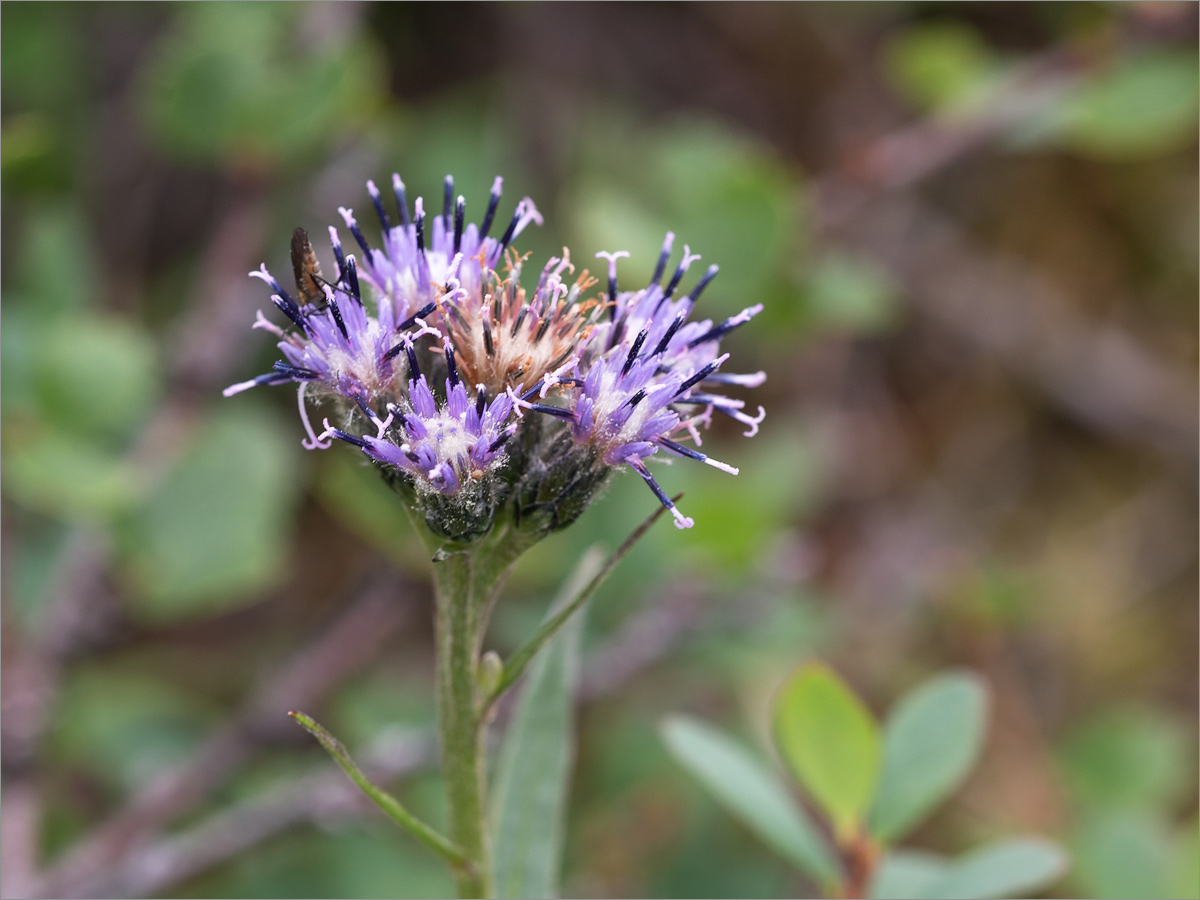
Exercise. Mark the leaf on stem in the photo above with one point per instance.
(522, 655)
(529, 800)
(748, 789)
(831, 742)
(385, 801)
(1007, 868)
(931, 742)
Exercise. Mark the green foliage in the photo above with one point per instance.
(529, 799)
(353, 492)
(1145, 105)
(752, 793)
(741, 206)
(1130, 758)
(215, 529)
(1006, 868)
(939, 64)
(1003, 869)
(905, 874)
(125, 724)
(69, 476)
(847, 293)
(112, 392)
(41, 59)
(1122, 854)
(931, 741)
(832, 746)
(250, 83)
(831, 742)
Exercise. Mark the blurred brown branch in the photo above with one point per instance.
(354, 639)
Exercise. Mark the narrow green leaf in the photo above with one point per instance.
(529, 800)
(385, 801)
(908, 875)
(831, 742)
(749, 790)
(931, 742)
(562, 611)
(1007, 868)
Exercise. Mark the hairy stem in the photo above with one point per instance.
(458, 633)
(468, 581)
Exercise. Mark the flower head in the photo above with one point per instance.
(649, 377)
(618, 376)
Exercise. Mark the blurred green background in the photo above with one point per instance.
(974, 228)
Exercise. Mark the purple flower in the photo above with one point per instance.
(625, 374)
(443, 445)
(646, 368)
(417, 255)
(347, 347)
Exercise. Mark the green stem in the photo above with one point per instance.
(468, 580)
(462, 749)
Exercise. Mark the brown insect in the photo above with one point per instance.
(306, 269)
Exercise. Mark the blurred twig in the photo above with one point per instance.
(353, 640)
(1100, 374)
(80, 608)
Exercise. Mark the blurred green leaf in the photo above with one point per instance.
(36, 560)
(529, 800)
(1146, 105)
(725, 195)
(1122, 854)
(68, 476)
(20, 340)
(125, 726)
(737, 515)
(749, 790)
(215, 530)
(939, 64)
(844, 292)
(932, 740)
(1133, 758)
(831, 741)
(1006, 868)
(96, 375)
(350, 488)
(908, 875)
(248, 83)
(58, 270)
(41, 58)
(1184, 875)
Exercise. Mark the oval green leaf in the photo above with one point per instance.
(831, 742)
(908, 875)
(751, 792)
(1007, 868)
(932, 741)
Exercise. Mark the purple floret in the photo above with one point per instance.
(444, 445)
